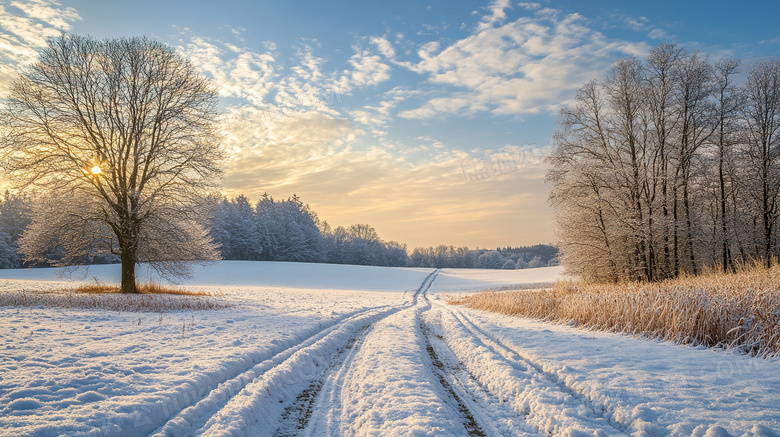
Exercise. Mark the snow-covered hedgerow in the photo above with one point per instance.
(740, 310)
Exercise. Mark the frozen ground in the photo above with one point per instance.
(323, 350)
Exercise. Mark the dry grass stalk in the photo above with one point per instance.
(151, 298)
(150, 288)
(740, 310)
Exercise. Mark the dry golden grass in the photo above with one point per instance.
(740, 310)
(150, 288)
(151, 298)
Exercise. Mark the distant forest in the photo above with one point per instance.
(289, 230)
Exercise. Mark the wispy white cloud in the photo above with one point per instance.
(528, 65)
(660, 35)
(642, 24)
(530, 6)
(771, 41)
(366, 69)
(637, 24)
(236, 72)
(497, 14)
(428, 49)
(384, 46)
(24, 28)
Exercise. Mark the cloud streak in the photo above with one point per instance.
(529, 65)
(24, 28)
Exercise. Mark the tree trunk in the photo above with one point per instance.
(675, 238)
(725, 252)
(767, 219)
(726, 248)
(127, 254)
(128, 272)
(689, 227)
(665, 193)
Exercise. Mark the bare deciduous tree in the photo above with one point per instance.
(121, 137)
(728, 103)
(666, 166)
(762, 116)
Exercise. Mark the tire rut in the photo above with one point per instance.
(484, 413)
(193, 417)
(296, 417)
(469, 422)
(209, 413)
(515, 358)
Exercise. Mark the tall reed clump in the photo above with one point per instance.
(739, 310)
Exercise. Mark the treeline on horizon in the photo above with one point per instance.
(289, 230)
(669, 165)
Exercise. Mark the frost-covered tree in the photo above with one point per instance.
(289, 231)
(235, 230)
(762, 117)
(120, 137)
(491, 260)
(396, 254)
(418, 258)
(535, 262)
(14, 219)
(667, 166)
(360, 244)
(728, 101)
(365, 232)
(364, 247)
(336, 242)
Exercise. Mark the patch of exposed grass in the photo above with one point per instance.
(151, 298)
(739, 310)
(150, 288)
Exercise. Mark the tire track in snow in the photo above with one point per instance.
(297, 416)
(336, 412)
(189, 420)
(445, 374)
(237, 404)
(548, 403)
(470, 424)
(489, 411)
(484, 412)
(465, 402)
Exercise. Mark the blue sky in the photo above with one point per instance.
(428, 120)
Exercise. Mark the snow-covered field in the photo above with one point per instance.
(460, 280)
(315, 349)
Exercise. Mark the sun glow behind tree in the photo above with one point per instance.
(120, 138)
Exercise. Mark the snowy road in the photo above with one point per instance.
(316, 350)
(281, 396)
